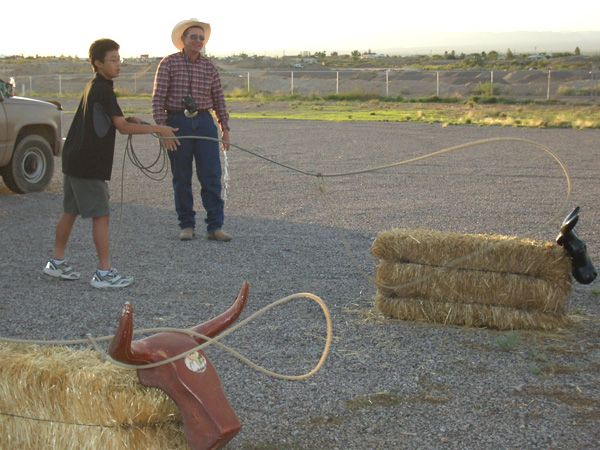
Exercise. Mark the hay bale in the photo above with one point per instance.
(490, 253)
(470, 314)
(475, 280)
(472, 286)
(64, 398)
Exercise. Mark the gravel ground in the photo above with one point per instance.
(386, 383)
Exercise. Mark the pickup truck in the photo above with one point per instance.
(31, 136)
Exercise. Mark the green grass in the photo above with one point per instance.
(509, 341)
(479, 111)
(545, 115)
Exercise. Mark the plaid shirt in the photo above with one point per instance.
(178, 76)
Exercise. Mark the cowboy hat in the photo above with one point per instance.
(184, 25)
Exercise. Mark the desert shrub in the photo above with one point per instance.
(123, 92)
(486, 89)
(238, 92)
(477, 100)
(566, 91)
(354, 95)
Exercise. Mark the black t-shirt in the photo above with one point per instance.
(90, 145)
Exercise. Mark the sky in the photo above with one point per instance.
(277, 28)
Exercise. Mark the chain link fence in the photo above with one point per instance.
(578, 85)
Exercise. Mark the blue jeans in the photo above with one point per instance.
(208, 170)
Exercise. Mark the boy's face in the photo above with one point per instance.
(110, 66)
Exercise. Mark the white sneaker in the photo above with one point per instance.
(63, 271)
(111, 280)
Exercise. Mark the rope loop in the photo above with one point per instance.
(209, 341)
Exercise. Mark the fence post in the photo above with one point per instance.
(492, 82)
(387, 83)
(337, 83)
(248, 83)
(292, 86)
(437, 84)
(548, 91)
(60, 84)
(30, 84)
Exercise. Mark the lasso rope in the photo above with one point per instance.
(151, 173)
(321, 177)
(321, 186)
(209, 341)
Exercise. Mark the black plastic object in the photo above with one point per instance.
(583, 269)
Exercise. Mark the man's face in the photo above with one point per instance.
(110, 66)
(193, 40)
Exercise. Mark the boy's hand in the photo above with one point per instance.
(167, 132)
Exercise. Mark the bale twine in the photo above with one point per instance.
(57, 397)
(474, 280)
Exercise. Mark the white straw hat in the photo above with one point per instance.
(184, 25)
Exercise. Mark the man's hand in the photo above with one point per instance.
(225, 140)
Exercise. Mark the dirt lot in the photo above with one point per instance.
(386, 383)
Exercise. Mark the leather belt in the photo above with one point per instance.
(182, 112)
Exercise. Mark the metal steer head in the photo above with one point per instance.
(192, 382)
(583, 269)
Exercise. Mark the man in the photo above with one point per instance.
(87, 164)
(186, 87)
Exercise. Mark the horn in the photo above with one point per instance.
(583, 268)
(120, 347)
(215, 326)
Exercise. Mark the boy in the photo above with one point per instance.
(87, 165)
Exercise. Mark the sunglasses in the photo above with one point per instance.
(196, 37)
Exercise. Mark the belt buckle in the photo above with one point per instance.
(190, 115)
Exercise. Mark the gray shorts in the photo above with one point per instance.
(85, 198)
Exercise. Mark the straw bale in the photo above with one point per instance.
(470, 314)
(491, 253)
(472, 286)
(475, 280)
(65, 398)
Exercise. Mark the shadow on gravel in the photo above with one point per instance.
(188, 280)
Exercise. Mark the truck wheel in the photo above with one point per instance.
(31, 167)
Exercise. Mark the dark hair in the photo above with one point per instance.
(99, 48)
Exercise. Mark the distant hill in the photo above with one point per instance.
(424, 43)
